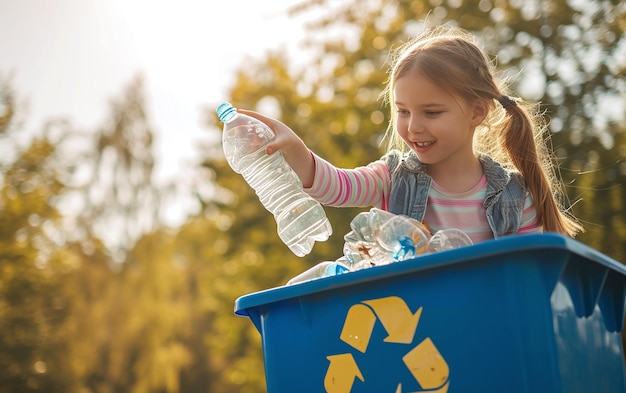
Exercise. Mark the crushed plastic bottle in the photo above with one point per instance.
(368, 252)
(322, 269)
(448, 239)
(403, 237)
(361, 247)
(379, 238)
(301, 220)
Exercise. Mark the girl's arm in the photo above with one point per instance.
(294, 150)
(363, 186)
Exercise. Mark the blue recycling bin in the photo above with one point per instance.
(534, 313)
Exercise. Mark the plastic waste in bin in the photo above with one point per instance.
(533, 313)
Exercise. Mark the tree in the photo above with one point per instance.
(37, 263)
(27, 318)
(65, 303)
(112, 176)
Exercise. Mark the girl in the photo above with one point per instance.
(462, 153)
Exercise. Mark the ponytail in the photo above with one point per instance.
(525, 145)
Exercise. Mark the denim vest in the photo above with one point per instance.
(410, 184)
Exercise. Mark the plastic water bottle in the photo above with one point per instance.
(448, 239)
(403, 237)
(300, 219)
(322, 269)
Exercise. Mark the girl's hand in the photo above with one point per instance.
(284, 135)
(295, 152)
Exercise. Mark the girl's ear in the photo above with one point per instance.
(479, 112)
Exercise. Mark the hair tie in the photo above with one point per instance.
(507, 102)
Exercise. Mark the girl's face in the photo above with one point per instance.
(436, 125)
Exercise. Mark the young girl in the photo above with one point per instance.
(462, 153)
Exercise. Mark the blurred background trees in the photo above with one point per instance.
(97, 294)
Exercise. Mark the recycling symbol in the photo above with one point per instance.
(423, 361)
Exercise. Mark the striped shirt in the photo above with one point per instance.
(466, 211)
(370, 186)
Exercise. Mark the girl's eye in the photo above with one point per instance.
(432, 113)
(403, 112)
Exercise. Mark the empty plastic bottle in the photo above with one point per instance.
(448, 239)
(300, 219)
(322, 269)
(403, 237)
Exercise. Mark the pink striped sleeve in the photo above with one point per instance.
(363, 186)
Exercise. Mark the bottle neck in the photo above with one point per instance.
(230, 116)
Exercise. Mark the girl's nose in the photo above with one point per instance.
(415, 126)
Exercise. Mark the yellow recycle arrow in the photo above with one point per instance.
(358, 327)
(424, 361)
(428, 366)
(341, 373)
(396, 317)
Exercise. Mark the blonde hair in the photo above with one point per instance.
(514, 133)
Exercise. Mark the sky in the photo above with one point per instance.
(70, 58)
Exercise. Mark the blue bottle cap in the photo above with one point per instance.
(225, 112)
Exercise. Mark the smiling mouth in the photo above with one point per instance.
(424, 144)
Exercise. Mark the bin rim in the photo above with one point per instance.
(506, 245)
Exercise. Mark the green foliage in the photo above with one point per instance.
(72, 318)
(7, 107)
(27, 320)
(600, 175)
